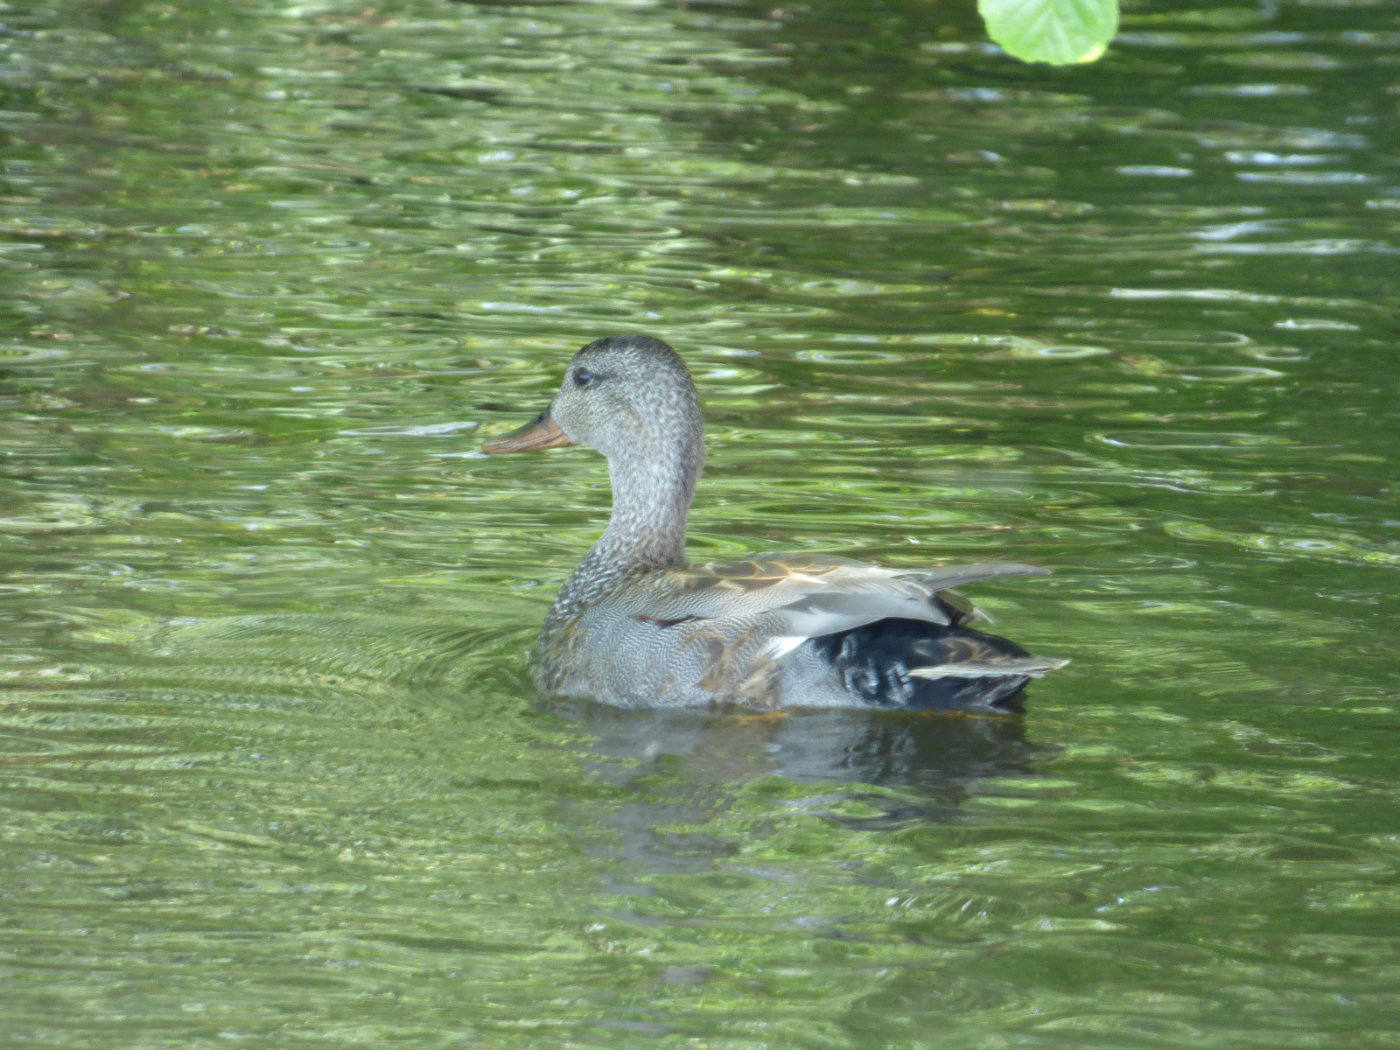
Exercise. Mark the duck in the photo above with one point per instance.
(635, 625)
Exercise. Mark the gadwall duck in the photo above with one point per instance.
(636, 627)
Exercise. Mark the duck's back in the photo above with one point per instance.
(779, 631)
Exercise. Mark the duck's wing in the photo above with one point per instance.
(802, 598)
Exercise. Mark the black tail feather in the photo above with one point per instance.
(875, 662)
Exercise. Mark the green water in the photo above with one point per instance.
(273, 771)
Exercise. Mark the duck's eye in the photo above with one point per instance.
(582, 377)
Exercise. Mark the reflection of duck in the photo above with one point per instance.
(634, 626)
(944, 758)
(690, 787)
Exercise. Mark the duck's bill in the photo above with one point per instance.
(540, 432)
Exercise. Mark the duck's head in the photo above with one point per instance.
(628, 396)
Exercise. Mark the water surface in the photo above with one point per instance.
(274, 772)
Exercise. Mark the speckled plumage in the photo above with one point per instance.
(634, 626)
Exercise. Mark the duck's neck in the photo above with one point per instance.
(652, 488)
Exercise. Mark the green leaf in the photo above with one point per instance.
(1057, 31)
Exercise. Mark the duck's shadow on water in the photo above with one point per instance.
(899, 766)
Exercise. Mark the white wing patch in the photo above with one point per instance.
(780, 646)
